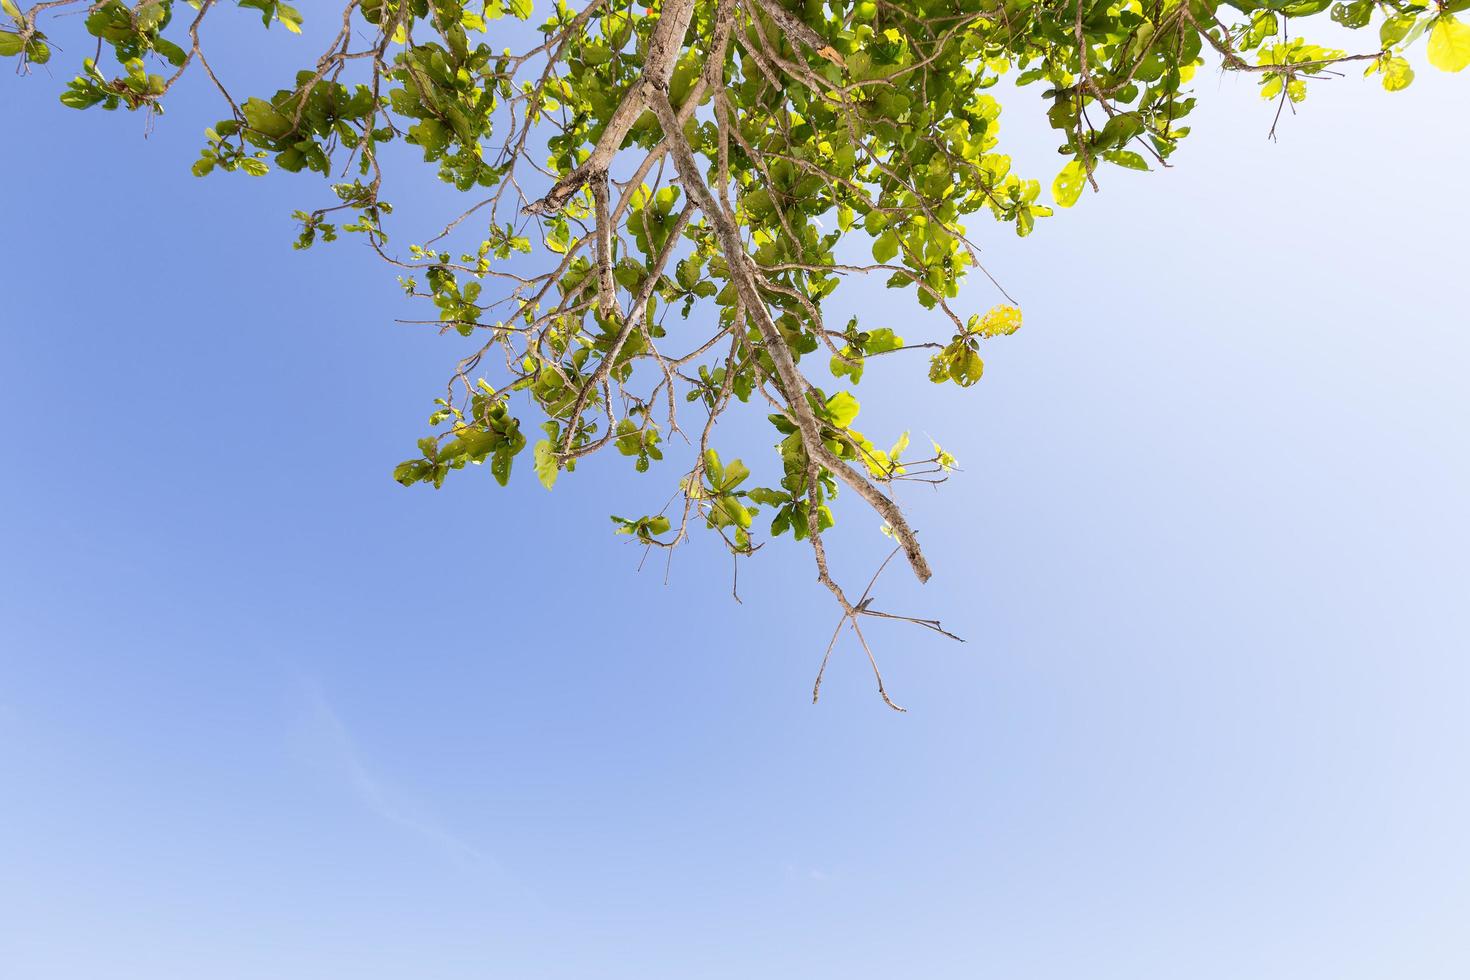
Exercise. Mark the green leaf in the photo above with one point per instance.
(544, 460)
(500, 465)
(289, 17)
(842, 368)
(881, 341)
(965, 367)
(1395, 29)
(1353, 15)
(712, 467)
(174, 54)
(735, 474)
(264, 118)
(727, 510)
(412, 471)
(150, 15)
(81, 95)
(885, 247)
(1126, 158)
(781, 523)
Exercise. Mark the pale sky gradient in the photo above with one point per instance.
(265, 714)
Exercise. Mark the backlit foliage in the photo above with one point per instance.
(660, 200)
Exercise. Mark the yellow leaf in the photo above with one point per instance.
(1397, 74)
(1001, 321)
(1067, 188)
(1449, 44)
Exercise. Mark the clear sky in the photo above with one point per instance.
(266, 714)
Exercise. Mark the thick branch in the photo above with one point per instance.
(663, 55)
(607, 299)
(798, 30)
(796, 387)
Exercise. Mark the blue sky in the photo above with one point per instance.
(264, 713)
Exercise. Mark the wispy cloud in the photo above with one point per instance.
(328, 738)
(796, 872)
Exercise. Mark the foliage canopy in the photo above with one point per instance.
(724, 162)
